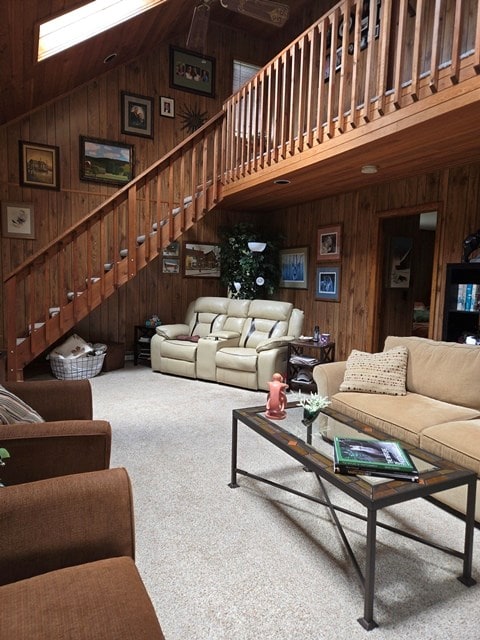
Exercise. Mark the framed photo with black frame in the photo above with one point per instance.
(294, 268)
(137, 115)
(39, 165)
(106, 161)
(190, 71)
(329, 243)
(327, 283)
(201, 260)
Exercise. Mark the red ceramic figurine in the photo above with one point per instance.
(277, 398)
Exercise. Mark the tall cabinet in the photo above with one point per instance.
(461, 313)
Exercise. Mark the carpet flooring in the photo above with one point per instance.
(256, 563)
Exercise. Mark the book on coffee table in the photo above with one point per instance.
(382, 458)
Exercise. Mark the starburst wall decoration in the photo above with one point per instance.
(192, 118)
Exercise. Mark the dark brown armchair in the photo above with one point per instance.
(67, 565)
(69, 442)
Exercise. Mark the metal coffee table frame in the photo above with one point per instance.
(446, 475)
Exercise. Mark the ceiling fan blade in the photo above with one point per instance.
(273, 13)
(197, 35)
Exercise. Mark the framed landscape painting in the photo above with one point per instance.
(105, 161)
(294, 268)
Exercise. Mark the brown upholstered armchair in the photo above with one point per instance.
(70, 441)
(67, 565)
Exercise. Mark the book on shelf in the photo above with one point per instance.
(381, 458)
(468, 297)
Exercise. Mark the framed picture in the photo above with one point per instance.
(39, 165)
(167, 107)
(172, 250)
(18, 220)
(201, 260)
(170, 265)
(294, 268)
(137, 115)
(192, 72)
(105, 161)
(327, 285)
(329, 243)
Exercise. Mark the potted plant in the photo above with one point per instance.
(3, 456)
(312, 405)
(248, 274)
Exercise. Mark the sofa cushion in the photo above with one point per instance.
(383, 372)
(457, 441)
(105, 599)
(13, 409)
(237, 358)
(179, 350)
(403, 417)
(446, 371)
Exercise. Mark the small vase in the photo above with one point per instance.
(309, 416)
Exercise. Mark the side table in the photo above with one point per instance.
(302, 357)
(141, 343)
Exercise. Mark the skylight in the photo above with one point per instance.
(76, 26)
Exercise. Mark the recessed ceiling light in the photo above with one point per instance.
(369, 168)
(109, 58)
(281, 181)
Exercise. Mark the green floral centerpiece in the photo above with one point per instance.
(3, 456)
(312, 405)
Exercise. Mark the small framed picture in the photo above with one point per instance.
(167, 107)
(170, 265)
(172, 250)
(39, 165)
(105, 161)
(137, 115)
(18, 220)
(327, 285)
(294, 268)
(201, 260)
(329, 243)
(192, 72)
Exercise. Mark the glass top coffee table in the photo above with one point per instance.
(312, 447)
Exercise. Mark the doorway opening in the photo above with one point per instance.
(405, 291)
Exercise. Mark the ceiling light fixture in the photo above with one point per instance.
(257, 246)
(281, 181)
(109, 58)
(78, 25)
(369, 168)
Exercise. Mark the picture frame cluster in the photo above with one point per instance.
(328, 271)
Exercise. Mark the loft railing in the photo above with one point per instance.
(361, 61)
(58, 286)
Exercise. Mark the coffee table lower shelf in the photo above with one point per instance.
(304, 453)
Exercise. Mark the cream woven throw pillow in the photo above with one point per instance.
(383, 372)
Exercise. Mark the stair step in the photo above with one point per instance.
(123, 253)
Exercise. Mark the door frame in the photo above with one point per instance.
(378, 256)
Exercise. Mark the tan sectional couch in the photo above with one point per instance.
(440, 411)
(236, 342)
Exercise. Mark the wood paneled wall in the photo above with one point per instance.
(94, 110)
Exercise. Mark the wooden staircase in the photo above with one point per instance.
(61, 284)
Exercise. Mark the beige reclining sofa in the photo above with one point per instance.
(439, 409)
(236, 342)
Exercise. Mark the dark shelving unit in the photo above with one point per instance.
(458, 316)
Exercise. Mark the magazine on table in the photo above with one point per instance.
(387, 459)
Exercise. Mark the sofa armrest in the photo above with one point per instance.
(273, 343)
(56, 399)
(329, 377)
(48, 449)
(172, 330)
(63, 522)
